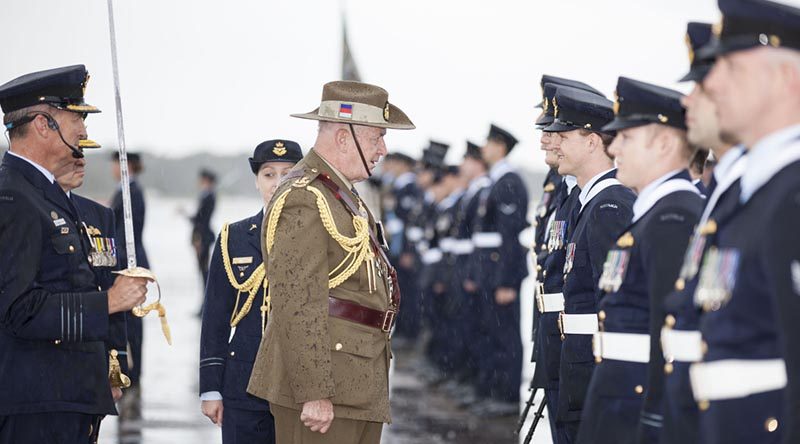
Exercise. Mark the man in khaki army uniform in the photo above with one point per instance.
(323, 363)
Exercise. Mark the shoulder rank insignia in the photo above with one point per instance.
(625, 241)
(302, 182)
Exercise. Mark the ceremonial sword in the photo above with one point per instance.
(133, 270)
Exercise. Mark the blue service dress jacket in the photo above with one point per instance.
(104, 259)
(226, 355)
(53, 318)
(749, 290)
(639, 272)
(606, 210)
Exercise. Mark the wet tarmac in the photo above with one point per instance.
(170, 407)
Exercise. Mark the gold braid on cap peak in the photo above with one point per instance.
(357, 248)
(251, 286)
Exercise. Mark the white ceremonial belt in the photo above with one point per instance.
(446, 244)
(630, 347)
(462, 246)
(681, 345)
(487, 240)
(414, 234)
(550, 302)
(432, 256)
(736, 378)
(578, 324)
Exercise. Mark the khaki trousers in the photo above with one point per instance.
(290, 430)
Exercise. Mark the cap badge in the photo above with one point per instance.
(545, 103)
(691, 49)
(716, 28)
(616, 103)
(85, 83)
(555, 107)
(386, 112)
(279, 149)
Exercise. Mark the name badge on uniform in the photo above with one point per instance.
(614, 270)
(246, 260)
(558, 232)
(570, 258)
(717, 278)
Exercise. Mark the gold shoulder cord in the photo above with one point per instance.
(358, 248)
(250, 286)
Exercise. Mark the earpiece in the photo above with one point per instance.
(51, 122)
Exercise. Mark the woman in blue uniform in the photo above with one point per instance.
(236, 309)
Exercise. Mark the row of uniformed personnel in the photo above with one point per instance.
(665, 311)
(454, 233)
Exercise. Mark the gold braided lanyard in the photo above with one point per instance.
(250, 286)
(358, 248)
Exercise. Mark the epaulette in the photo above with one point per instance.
(305, 177)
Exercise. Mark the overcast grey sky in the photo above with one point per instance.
(202, 75)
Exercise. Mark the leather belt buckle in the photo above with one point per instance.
(388, 320)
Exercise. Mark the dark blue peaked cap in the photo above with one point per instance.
(697, 36)
(639, 103)
(497, 133)
(752, 23)
(473, 151)
(577, 109)
(549, 91)
(277, 150)
(62, 88)
(433, 156)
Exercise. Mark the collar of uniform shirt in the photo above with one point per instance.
(641, 199)
(769, 155)
(500, 169)
(571, 182)
(41, 169)
(588, 186)
(477, 184)
(727, 161)
(451, 199)
(338, 174)
(403, 180)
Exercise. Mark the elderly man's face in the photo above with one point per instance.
(737, 84)
(373, 147)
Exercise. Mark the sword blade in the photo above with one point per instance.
(127, 214)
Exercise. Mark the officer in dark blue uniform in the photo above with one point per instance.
(604, 209)
(747, 384)
(98, 223)
(503, 215)
(466, 273)
(410, 318)
(680, 338)
(54, 320)
(652, 156)
(202, 235)
(550, 259)
(445, 304)
(135, 328)
(399, 202)
(236, 308)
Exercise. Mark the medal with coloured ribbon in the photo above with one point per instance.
(717, 278)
